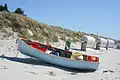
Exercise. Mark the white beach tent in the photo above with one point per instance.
(91, 42)
(111, 43)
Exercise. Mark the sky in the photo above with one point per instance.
(91, 16)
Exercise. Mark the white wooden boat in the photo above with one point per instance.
(26, 49)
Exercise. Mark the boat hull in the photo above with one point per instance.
(57, 60)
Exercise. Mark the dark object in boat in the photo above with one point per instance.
(62, 53)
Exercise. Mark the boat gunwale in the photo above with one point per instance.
(56, 56)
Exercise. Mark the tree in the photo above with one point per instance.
(1, 8)
(5, 8)
(19, 11)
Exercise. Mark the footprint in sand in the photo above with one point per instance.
(73, 73)
(51, 73)
(118, 63)
(3, 67)
(111, 75)
(32, 72)
(111, 71)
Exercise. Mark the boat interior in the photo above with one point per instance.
(62, 53)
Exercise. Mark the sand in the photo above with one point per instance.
(25, 68)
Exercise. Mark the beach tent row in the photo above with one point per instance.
(91, 42)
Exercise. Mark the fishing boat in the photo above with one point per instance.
(38, 51)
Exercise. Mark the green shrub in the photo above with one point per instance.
(19, 11)
(1, 8)
(55, 38)
(4, 8)
(63, 38)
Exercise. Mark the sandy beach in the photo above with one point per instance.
(25, 68)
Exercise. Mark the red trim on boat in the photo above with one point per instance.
(35, 45)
